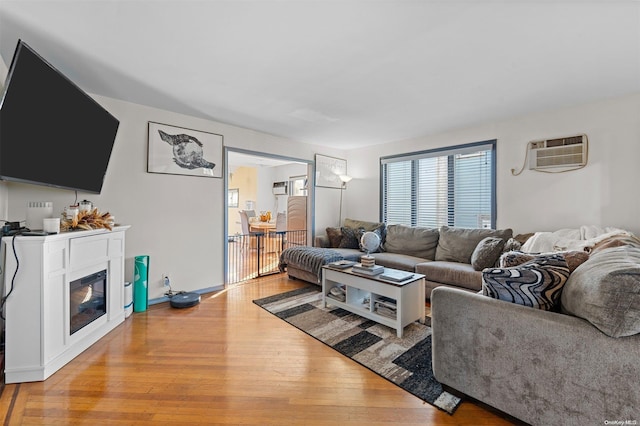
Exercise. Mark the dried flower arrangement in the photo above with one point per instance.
(88, 219)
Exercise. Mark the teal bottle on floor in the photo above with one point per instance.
(140, 283)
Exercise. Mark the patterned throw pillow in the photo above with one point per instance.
(512, 244)
(515, 258)
(537, 283)
(575, 258)
(335, 236)
(350, 237)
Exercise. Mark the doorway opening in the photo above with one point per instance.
(268, 208)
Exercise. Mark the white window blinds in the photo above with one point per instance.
(452, 186)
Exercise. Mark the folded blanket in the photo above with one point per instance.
(308, 259)
(583, 238)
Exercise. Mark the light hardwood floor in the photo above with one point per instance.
(225, 361)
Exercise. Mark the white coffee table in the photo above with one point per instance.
(409, 296)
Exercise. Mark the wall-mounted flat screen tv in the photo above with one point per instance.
(51, 132)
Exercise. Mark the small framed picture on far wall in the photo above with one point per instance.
(234, 196)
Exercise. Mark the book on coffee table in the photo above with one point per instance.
(341, 264)
(395, 275)
(367, 270)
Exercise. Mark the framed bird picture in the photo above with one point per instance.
(180, 151)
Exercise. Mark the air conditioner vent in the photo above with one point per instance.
(568, 153)
(280, 188)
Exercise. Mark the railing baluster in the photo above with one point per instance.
(246, 262)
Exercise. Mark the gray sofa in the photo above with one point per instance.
(579, 366)
(443, 255)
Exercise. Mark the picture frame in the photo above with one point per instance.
(328, 170)
(234, 197)
(182, 151)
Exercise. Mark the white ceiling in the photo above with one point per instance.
(338, 72)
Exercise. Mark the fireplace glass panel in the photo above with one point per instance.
(87, 300)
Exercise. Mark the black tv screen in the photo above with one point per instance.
(51, 132)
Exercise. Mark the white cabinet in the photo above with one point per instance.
(38, 337)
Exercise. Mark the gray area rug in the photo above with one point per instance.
(404, 361)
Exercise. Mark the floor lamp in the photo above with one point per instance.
(344, 179)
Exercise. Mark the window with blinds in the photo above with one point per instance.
(452, 186)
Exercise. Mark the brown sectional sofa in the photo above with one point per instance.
(443, 255)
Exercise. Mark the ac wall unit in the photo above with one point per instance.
(569, 153)
(279, 188)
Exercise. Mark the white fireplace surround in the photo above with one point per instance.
(37, 319)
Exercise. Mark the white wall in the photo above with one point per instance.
(604, 193)
(267, 201)
(329, 207)
(177, 220)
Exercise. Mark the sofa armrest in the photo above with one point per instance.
(538, 366)
(322, 241)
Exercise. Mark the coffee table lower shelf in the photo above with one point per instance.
(409, 296)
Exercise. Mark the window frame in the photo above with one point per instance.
(292, 188)
(449, 151)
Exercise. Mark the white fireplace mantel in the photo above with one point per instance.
(37, 330)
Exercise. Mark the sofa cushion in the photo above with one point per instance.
(411, 240)
(605, 290)
(451, 273)
(486, 253)
(615, 241)
(367, 226)
(398, 261)
(349, 254)
(537, 283)
(321, 241)
(523, 238)
(335, 236)
(457, 244)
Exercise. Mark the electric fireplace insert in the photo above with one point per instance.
(87, 300)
